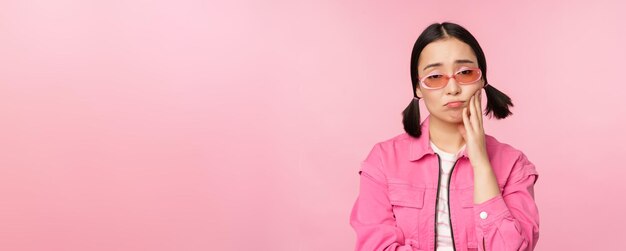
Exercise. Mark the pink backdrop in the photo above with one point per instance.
(195, 125)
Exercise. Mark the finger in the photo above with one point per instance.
(479, 112)
(473, 118)
(466, 122)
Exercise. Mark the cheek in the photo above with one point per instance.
(468, 91)
(432, 97)
(432, 102)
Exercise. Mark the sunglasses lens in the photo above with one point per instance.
(435, 81)
(468, 76)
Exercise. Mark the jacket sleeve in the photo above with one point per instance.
(372, 217)
(510, 221)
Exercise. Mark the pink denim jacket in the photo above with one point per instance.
(396, 205)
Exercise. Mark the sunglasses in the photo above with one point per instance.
(464, 76)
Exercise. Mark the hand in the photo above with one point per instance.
(473, 132)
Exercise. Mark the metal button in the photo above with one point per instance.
(483, 215)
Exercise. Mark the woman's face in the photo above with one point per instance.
(447, 56)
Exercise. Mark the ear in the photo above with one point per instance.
(418, 92)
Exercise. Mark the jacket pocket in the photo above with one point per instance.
(471, 246)
(467, 198)
(407, 202)
(467, 202)
(405, 195)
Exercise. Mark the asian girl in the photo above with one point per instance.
(444, 184)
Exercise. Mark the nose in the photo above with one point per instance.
(452, 87)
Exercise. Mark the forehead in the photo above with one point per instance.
(445, 51)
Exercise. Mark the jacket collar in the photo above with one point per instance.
(421, 146)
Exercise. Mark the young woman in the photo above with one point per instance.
(445, 184)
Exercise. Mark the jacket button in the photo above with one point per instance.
(483, 215)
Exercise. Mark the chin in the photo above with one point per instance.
(455, 120)
(452, 118)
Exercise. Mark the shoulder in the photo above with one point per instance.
(384, 153)
(507, 158)
(390, 148)
(395, 143)
(502, 149)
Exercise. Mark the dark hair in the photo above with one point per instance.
(497, 102)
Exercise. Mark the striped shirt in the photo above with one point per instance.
(444, 236)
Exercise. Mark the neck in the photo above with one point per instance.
(445, 135)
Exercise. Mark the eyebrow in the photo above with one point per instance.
(458, 61)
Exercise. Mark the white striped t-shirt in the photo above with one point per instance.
(444, 237)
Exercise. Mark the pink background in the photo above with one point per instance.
(195, 125)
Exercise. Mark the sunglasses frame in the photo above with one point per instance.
(448, 77)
